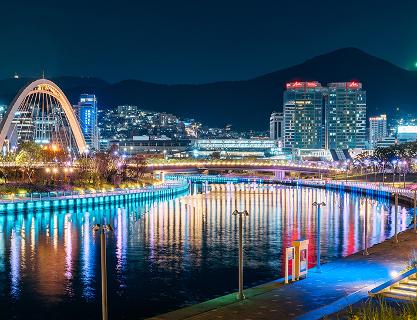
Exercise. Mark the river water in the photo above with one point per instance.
(174, 252)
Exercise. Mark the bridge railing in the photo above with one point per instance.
(379, 187)
(240, 163)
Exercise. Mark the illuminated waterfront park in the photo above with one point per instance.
(175, 251)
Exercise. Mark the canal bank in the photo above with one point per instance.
(183, 250)
(74, 199)
(375, 190)
(341, 283)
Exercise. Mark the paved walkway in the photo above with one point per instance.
(341, 283)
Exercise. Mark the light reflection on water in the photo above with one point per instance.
(171, 253)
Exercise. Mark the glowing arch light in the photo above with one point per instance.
(41, 112)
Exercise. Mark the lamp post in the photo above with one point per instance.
(318, 205)
(240, 295)
(393, 172)
(347, 170)
(103, 229)
(375, 172)
(366, 171)
(383, 172)
(404, 171)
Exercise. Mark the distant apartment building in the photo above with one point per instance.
(406, 133)
(276, 127)
(377, 129)
(86, 110)
(166, 119)
(303, 115)
(127, 111)
(345, 116)
(237, 148)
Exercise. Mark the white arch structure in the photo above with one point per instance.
(50, 89)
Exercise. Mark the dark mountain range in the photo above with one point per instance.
(247, 104)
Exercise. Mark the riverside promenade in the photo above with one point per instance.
(341, 283)
(61, 199)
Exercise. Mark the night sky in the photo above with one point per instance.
(195, 41)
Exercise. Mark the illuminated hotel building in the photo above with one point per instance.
(276, 127)
(87, 114)
(377, 129)
(345, 120)
(303, 115)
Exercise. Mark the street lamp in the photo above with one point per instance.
(240, 295)
(347, 170)
(404, 163)
(318, 205)
(394, 162)
(375, 167)
(103, 229)
(383, 172)
(366, 170)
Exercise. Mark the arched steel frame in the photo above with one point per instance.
(49, 87)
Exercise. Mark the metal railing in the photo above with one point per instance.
(56, 195)
(377, 187)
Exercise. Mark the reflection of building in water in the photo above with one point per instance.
(55, 252)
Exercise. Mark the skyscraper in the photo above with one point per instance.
(345, 120)
(87, 114)
(276, 127)
(377, 129)
(303, 115)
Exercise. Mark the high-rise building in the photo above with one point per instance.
(303, 115)
(345, 119)
(87, 114)
(276, 127)
(377, 129)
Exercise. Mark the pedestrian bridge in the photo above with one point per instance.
(261, 165)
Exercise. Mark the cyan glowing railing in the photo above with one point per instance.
(61, 198)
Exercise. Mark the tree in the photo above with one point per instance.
(404, 151)
(28, 156)
(138, 164)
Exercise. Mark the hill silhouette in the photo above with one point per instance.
(247, 104)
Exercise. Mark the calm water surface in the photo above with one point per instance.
(171, 253)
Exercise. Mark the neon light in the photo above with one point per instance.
(353, 84)
(299, 84)
(295, 84)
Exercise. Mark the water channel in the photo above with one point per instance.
(173, 252)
